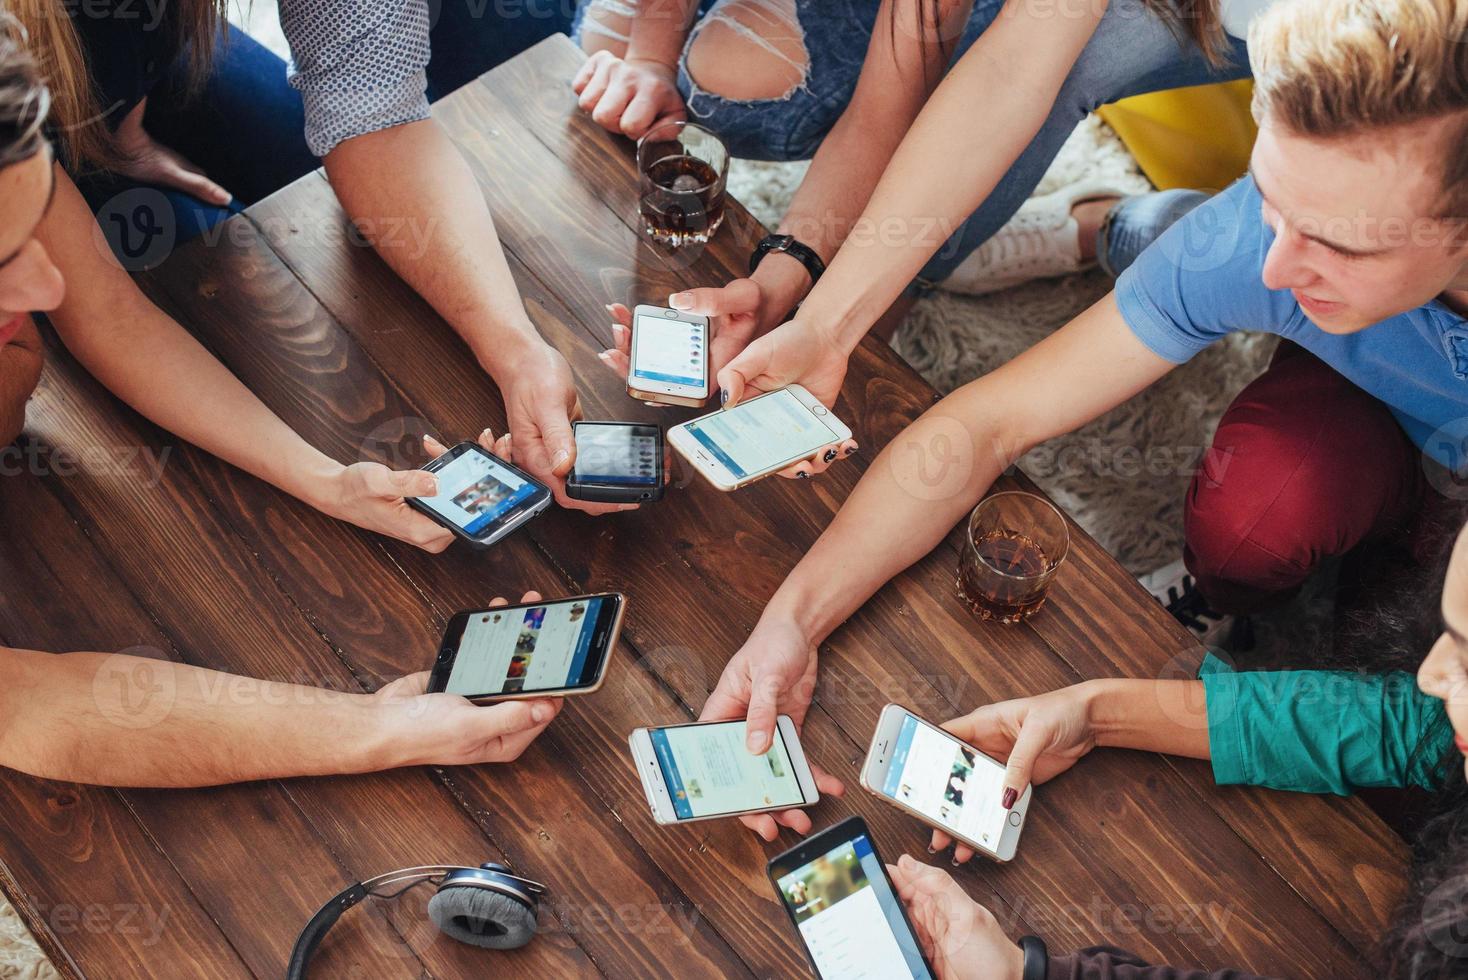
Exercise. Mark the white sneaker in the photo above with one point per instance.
(1172, 586)
(1041, 241)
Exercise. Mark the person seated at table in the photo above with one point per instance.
(941, 131)
(1345, 239)
(363, 76)
(1307, 730)
(49, 261)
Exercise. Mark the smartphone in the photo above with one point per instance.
(702, 771)
(481, 497)
(670, 357)
(737, 446)
(531, 649)
(617, 463)
(944, 782)
(835, 888)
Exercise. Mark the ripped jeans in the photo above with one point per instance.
(1130, 53)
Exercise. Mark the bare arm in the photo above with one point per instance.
(145, 358)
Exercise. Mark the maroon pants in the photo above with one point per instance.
(1304, 466)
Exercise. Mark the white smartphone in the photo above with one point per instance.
(737, 446)
(702, 771)
(670, 357)
(944, 782)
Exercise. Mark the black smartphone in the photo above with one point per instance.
(837, 893)
(617, 463)
(557, 647)
(481, 497)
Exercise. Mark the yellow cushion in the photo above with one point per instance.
(1188, 137)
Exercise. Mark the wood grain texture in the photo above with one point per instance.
(213, 567)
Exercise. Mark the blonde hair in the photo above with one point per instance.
(1329, 68)
(80, 120)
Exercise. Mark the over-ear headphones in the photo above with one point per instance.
(486, 906)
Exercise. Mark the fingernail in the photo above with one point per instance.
(1010, 795)
(723, 396)
(486, 434)
(852, 450)
(756, 742)
(610, 309)
(802, 475)
(562, 456)
(680, 301)
(955, 862)
(932, 849)
(541, 713)
(604, 357)
(830, 455)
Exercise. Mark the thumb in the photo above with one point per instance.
(193, 182)
(735, 376)
(412, 483)
(555, 435)
(510, 718)
(764, 693)
(1018, 771)
(740, 296)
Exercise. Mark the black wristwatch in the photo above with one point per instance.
(1037, 958)
(797, 250)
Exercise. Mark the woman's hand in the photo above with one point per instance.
(447, 730)
(792, 353)
(774, 673)
(149, 162)
(372, 496)
(1041, 737)
(628, 96)
(960, 937)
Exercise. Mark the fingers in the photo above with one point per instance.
(191, 180)
(613, 102)
(1021, 766)
(826, 783)
(939, 842)
(587, 69)
(739, 296)
(498, 601)
(762, 824)
(751, 363)
(601, 66)
(961, 854)
(510, 718)
(433, 447)
(764, 710)
(406, 483)
(428, 536)
(617, 362)
(796, 820)
(645, 107)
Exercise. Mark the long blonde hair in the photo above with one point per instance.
(77, 114)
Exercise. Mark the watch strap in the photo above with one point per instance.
(1037, 958)
(792, 247)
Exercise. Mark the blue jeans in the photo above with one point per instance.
(1131, 52)
(246, 127)
(1133, 223)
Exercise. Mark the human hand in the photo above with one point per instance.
(737, 312)
(774, 673)
(541, 403)
(147, 161)
(448, 730)
(1041, 737)
(628, 95)
(960, 937)
(371, 496)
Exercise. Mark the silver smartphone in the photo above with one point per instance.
(670, 357)
(703, 771)
(737, 446)
(944, 782)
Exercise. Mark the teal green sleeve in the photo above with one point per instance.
(1322, 731)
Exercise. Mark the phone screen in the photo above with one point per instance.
(762, 434)
(849, 916)
(475, 490)
(710, 772)
(617, 454)
(948, 782)
(670, 351)
(535, 648)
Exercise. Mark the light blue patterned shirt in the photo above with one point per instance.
(358, 64)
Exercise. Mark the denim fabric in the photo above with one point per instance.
(1136, 222)
(1131, 52)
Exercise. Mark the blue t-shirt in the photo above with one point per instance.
(1202, 279)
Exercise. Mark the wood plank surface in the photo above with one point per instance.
(213, 567)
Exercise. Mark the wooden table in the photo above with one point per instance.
(213, 567)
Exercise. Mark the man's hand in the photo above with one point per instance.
(1041, 737)
(628, 96)
(448, 730)
(147, 161)
(960, 937)
(371, 496)
(541, 403)
(774, 673)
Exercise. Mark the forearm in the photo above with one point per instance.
(447, 248)
(1170, 717)
(659, 30)
(119, 720)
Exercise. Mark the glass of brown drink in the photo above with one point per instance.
(1015, 543)
(683, 169)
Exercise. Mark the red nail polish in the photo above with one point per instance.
(1010, 795)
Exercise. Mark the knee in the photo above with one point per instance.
(606, 25)
(749, 50)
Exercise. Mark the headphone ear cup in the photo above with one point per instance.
(481, 917)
